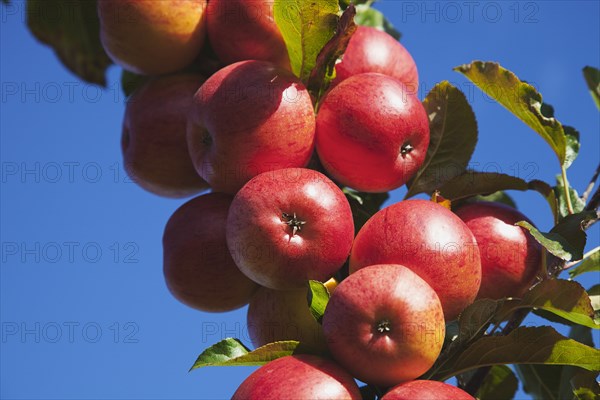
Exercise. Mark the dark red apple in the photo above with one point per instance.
(372, 135)
(299, 377)
(152, 37)
(510, 257)
(276, 315)
(197, 266)
(426, 390)
(430, 240)
(372, 50)
(288, 226)
(246, 30)
(248, 118)
(154, 145)
(384, 324)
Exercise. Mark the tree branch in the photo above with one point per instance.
(591, 185)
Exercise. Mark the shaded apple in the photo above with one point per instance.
(197, 266)
(300, 377)
(372, 50)
(510, 256)
(430, 240)
(246, 30)
(289, 226)
(248, 118)
(276, 315)
(426, 390)
(154, 145)
(372, 135)
(384, 324)
(152, 37)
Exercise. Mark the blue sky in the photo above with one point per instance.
(84, 309)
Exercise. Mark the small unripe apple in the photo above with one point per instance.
(372, 135)
(510, 256)
(430, 240)
(426, 390)
(384, 324)
(299, 377)
(276, 315)
(245, 30)
(372, 50)
(248, 118)
(197, 266)
(152, 37)
(289, 226)
(154, 145)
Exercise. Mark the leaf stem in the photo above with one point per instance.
(591, 185)
(567, 189)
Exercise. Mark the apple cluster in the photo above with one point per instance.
(275, 161)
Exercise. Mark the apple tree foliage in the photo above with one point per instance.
(488, 336)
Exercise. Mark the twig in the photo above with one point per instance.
(567, 189)
(586, 255)
(594, 201)
(591, 185)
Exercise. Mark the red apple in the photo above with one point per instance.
(276, 315)
(372, 135)
(248, 118)
(372, 50)
(154, 145)
(288, 226)
(198, 268)
(246, 30)
(430, 240)
(384, 324)
(510, 257)
(152, 37)
(426, 390)
(299, 377)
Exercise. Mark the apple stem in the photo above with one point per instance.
(293, 222)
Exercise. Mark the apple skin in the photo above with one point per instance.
(153, 142)
(262, 240)
(510, 257)
(197, 266)
(372, 50)
(384, 296)
(152, 37)
(426, 390)
(372, 135)
(277, 315)
(248, 118)
(430, 240)
(300, 376)
(246, 30)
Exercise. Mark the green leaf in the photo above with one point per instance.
(306, 26)
(131, 81)
(473, 183)
(318, 297)
(453, 136)
(585, 386)
(324, 70)
(364, 205)
(499, 384)
(592, 78)
(590, 264)
(594, 293)
(561, 198)
(497, 197)
(519, 98)
(525, 345)
(566, 299)
(368, 16)
(74, 35)
(231, 352)
(573, 145)
(549, 194)
(567, 239)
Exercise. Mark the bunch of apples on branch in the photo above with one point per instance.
(298, 118)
